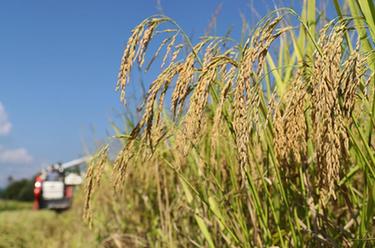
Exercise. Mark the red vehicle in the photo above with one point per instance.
(54, 187)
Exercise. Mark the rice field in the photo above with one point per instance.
(263, 142)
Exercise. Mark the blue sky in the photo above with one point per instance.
(58, 66)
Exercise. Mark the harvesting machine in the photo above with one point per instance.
(54, 186)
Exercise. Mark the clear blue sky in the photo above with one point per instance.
(58, 66)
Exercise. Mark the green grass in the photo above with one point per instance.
(7, 205)
(22, 227)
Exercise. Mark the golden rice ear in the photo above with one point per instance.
(246, 97)
(121, 163)
(198, 101)
(92, 180)
(329, 79)
(280, 138)
(160, 84)
(353, 70)
(169, 48)
(176, 52)
(156, 54)
(147, 121)
(211, 67)
(128, 59)
(131, 52)
(228, 81)
(291, 129)
(150, 133)
(146, 40)
(186, 74)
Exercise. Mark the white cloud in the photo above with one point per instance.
(15, 156)
(7, 155)
(5, 125)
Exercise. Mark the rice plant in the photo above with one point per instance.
(239, 146)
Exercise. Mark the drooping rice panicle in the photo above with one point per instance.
(128, 59)
(146, 40)
(93, 177)
(169, 48)
(329, 133)
(183, 82)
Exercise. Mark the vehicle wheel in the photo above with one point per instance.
(42, 204)
(59, 211)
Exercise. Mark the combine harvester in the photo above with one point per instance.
(54, 186)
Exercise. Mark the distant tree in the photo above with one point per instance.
(20, 190)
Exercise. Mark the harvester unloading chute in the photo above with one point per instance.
(73, 178)
(75, 162)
